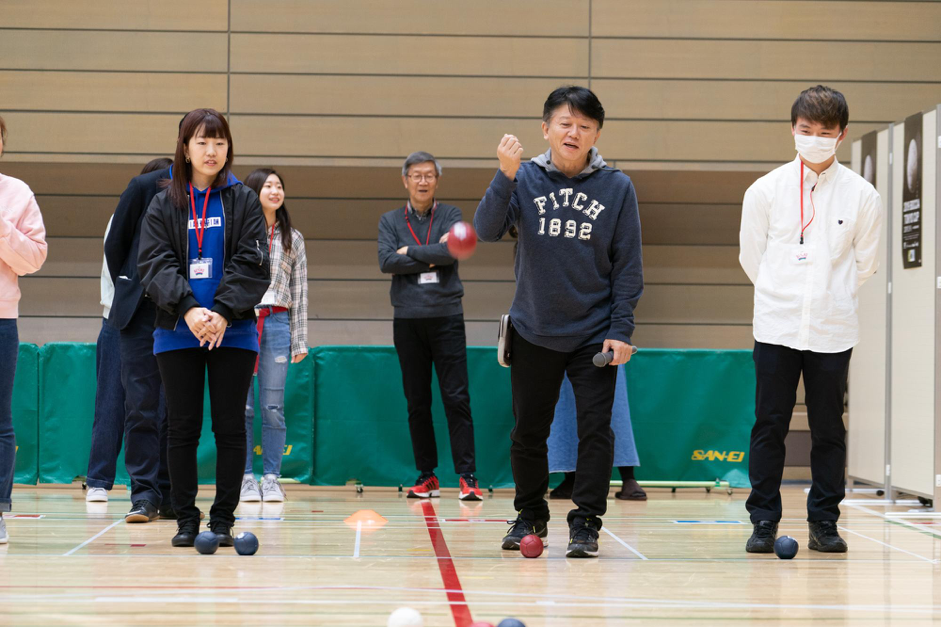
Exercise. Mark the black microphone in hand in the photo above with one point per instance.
(604, 359)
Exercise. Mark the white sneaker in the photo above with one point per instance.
(96, 495)
(250, 492)
(4, 538)
(271, 490)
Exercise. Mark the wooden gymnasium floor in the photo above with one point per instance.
(676, 559)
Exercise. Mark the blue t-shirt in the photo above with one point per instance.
(241, 333)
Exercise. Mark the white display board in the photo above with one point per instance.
(914, 322)
(868, 436)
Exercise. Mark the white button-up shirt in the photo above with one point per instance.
(806, 294)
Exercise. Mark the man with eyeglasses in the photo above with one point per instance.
(428, 323)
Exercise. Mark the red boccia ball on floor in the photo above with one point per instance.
(462, 240)
(531, 546)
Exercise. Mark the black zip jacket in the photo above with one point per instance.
(123, 242)
(164, 250)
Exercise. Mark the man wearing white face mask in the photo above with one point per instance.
(809, 236)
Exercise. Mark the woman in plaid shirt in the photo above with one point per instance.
(282, 328)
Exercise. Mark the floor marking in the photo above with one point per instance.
(94, 537)
(518, 598)
(892, 519)
(708, 522)
(624, 544)
(33, 516)
(818, 562)
(268, 518)
(929, 560)
(359, 537)
(459, 609)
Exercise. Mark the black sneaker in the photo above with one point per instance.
(224, 532)
(583, 539)
(185, 534)
(825, 538)
(142, 511)
(762, 537)
(522, 528)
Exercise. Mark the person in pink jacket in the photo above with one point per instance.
(22, 251)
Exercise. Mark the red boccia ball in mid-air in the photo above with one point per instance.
(462, 240)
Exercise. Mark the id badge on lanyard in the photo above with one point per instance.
(200, 269)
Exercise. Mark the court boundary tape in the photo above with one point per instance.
(624, 544)
(93, 538)
(460, 611)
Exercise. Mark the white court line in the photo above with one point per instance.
(94, 537)
(624, 544)
(527, 598)
(664, 604)
(895, 548)
(359, 537)
(888, 518)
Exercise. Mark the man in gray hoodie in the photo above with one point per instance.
(579, 277)
(428, 324)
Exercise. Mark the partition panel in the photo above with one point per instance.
(914, 333)
(867, 454)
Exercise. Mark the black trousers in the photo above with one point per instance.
(421, 342)
(778, 371)
(145, 420)
(184, 374)
(536, 375)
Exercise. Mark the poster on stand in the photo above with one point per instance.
(911, 192)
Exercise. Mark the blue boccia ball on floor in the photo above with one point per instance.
(246, 543)
(207, 542)
(511, 622)
(786, 547)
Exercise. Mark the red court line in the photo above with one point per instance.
(459, 609)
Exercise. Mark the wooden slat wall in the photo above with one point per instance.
(335, 93)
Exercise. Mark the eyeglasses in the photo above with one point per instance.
(418, 178)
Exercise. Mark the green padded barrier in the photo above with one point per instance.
(67, 382)
(26, 414)
(692, 412)
(362, 422)
(66, 410)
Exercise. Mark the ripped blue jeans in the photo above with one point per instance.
(273, 358)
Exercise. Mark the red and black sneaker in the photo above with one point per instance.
(426, 487)
(469, 489)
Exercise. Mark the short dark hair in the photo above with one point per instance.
(823, 105)
(579, 99)
(160, 163)
(3, 132)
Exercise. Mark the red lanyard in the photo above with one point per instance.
(408, 206)
(271, 239)
(814, 214)
(199, 228)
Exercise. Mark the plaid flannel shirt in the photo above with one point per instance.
(289, 285)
